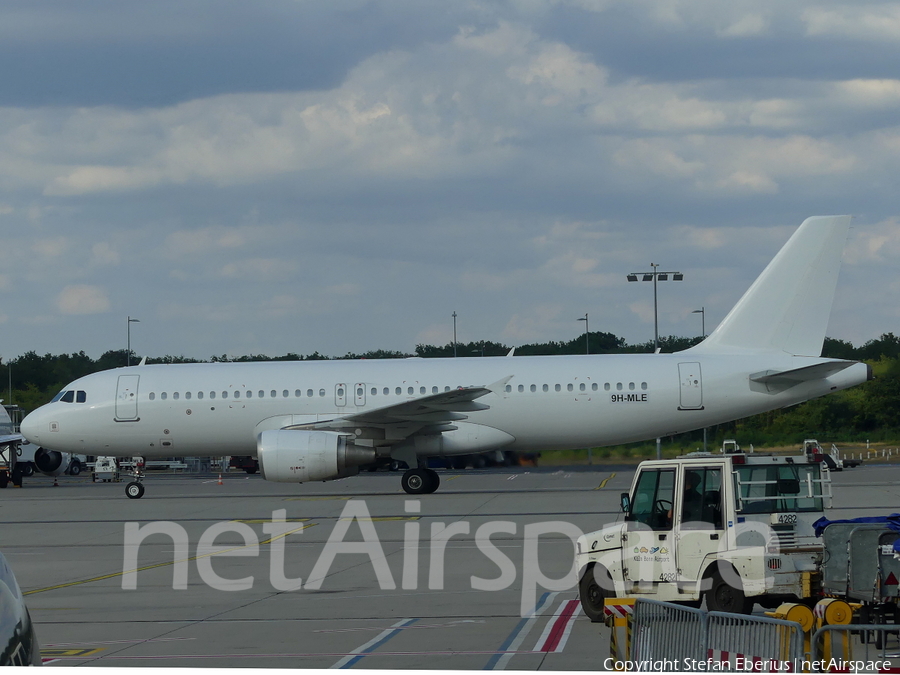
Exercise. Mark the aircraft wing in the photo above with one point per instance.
(435, 410)
(785, 379)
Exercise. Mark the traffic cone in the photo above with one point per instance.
(220, 480)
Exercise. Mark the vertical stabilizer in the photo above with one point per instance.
(788, 306)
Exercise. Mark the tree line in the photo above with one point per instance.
(870, 411)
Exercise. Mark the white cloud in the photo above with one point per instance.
(83, 299)
(51, 248)
(876, 243)
(854, 20)
(104, 254)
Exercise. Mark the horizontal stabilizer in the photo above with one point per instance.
(780, 380)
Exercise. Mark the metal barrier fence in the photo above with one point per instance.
(834, 648)
(661, 630)
(755, 642)
(685, 639)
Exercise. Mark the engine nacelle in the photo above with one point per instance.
(287, 456)
(51, 462)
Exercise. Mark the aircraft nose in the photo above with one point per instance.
(31, 426)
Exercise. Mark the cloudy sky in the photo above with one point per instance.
(281, 175)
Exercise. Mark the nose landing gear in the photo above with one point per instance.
(135, 489)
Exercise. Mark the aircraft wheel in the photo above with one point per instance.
(434, 479)
(416, 481)
(134, 490)
(75, 469)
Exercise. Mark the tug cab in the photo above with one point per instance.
(731, 529)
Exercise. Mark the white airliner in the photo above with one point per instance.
(321, 420)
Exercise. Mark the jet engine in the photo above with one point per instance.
(287, 456)
(51, 462)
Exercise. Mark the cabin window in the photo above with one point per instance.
(273, 393)
(546, 387)
(187, 395)
(582, 386)
(398, 391)
(534, 388)
(199, 394)
(446, 388)
(261, 393)
(374, 391)
(176, 396)
(225, 394)
(212, 394)
(644, 386)
(285, 393)
(521, 387)
(68, 397)
(410, 391)
(360, 390)
(298, 393)
(249, 393)
(386, 391)
(152, 396)
(606, 386)
(569, 387)
(309, 393)
(434, 390)
(164, 396)
(421, 390)
(508, 388)
(340, 391)
(595, 387)
(80, 397)
(237, 393)
(321, 392)
(618, 386)
(558, 388)
(631, 386)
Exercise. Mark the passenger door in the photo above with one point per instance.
(691, 386)
(127, 398)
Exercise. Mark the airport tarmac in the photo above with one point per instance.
(387, 591)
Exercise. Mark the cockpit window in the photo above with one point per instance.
(70, 396)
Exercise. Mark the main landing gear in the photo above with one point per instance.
(420, 481)
(135, 489)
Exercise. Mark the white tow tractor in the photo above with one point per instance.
(733, 529)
